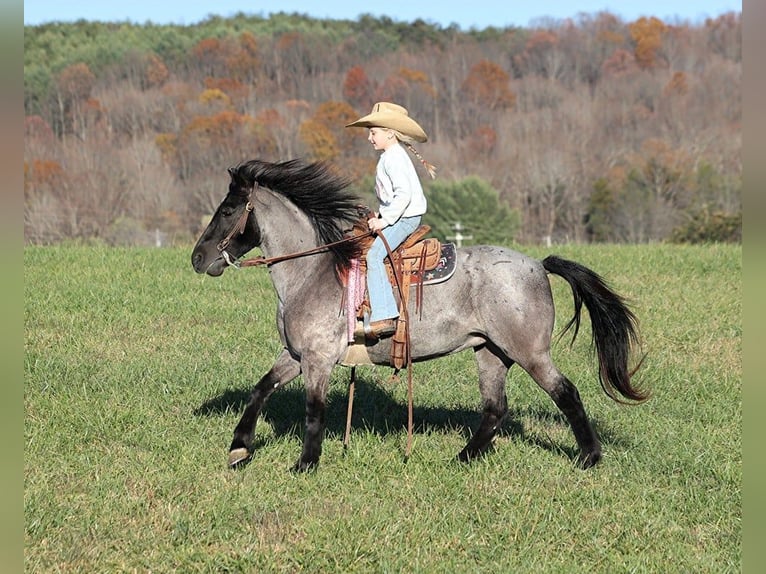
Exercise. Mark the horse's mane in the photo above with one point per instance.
(319, 191)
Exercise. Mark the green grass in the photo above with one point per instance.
(136, 371)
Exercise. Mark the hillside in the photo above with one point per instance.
(593, 130)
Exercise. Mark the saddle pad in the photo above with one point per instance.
(443, 270)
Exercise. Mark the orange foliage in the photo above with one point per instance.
(413, 76)
(298, 106)
(487, 84)
(271, 118)
(334, 116)
(76, 81)
(619, 63)
(248, 44)
(244, 61)
(168, 146)
(37, 127)
(288, 40)
(482, 141)
(609, 37)
(393, 89)
(155, 72)
(541, 40)
(647, 37)
(677, 85)
(417, 78)
(214, 96)
(221, 124)
(357, 88)
(42, 172)
(236, 92)
(226, 85)
(206, 48)
(319, 140)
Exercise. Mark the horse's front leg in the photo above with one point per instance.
(285, 369)
(316, 375)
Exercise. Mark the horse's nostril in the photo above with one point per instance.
(197, 261)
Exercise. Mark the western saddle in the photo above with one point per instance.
(411, 264)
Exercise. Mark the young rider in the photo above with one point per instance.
(401, 202)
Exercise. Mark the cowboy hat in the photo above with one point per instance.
(391, 116)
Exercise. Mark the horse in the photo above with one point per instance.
(498, 303)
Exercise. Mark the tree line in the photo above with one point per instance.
(586, 129)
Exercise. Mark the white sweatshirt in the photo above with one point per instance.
(397, 186)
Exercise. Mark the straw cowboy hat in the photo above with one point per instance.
(392, 116)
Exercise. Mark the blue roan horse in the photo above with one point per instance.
(497, 303)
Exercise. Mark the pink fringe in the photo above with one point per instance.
(354, 296)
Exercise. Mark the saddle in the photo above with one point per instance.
(418, 261)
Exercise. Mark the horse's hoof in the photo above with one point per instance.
(304, 467)
(589, 460)
(238, 456)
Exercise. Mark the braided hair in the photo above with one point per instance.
(407, 141)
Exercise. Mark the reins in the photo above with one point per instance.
(239, 228)
(406, 319)
(261, 260)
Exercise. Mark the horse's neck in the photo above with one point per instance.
(285, 231)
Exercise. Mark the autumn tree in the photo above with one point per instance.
(357, 88)
(319, 140)
(488, 85)
(210, 56)
(155, 72)
(646, 34)
(42, 215)
(244, 61)
(485, 91)
(73, 89)
(325, 134)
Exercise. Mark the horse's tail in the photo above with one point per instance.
(613, 325)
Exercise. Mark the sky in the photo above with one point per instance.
(466, 14)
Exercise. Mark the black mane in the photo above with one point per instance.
(319, 191)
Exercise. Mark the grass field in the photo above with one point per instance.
(136, 371)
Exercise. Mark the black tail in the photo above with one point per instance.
(614, 326)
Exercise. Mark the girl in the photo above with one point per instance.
(401, 199)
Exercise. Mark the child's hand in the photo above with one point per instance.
(376, 224)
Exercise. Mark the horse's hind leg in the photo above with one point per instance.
(285, 369)
(493, 368)
(567, 399)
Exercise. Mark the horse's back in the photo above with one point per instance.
(495, 294)
(503, 270)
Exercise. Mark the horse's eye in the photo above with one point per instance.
(227, 211)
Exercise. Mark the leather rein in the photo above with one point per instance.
(239, 228)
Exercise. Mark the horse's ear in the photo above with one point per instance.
(232, 171)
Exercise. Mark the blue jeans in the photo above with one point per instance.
(381, 293)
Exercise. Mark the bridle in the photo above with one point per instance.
(239, 228)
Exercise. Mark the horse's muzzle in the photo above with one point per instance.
(203, 264)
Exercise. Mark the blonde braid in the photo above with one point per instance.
(430, 168)
(407, 140)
